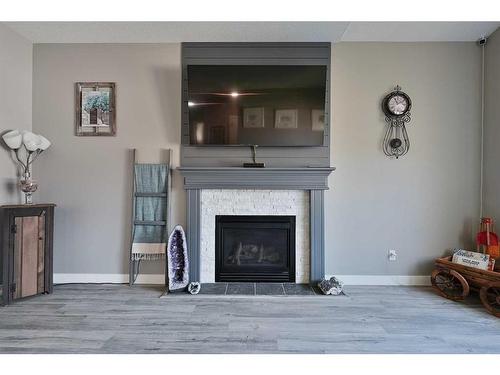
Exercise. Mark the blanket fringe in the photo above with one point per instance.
(139, 256)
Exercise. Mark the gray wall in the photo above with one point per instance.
(89, 178)
(420, 205)
(491, 187)
(425, 202)
(16, 65)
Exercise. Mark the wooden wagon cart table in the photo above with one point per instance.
(455, 281)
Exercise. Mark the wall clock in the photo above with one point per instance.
(396, 106)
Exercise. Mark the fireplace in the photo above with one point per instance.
(255, 248)
(226, 190)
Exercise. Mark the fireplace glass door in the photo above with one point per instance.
(255, 248)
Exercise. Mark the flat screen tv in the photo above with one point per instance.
(264, 105)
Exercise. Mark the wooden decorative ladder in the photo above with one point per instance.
(148, 157)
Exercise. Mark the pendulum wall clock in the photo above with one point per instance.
(396, 106)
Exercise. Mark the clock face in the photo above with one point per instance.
(397, 105)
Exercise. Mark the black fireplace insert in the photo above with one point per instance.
(255, 248)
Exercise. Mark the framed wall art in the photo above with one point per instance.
(95, 109)
(253, 117)
(285, 119)
(318, 120)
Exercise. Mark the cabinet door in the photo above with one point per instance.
(29, 254)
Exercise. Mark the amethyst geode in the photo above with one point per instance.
(178, 263)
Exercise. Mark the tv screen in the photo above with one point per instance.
(265, 105)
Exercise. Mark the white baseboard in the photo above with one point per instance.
(383, 279)
(106, 278)
(159, 279)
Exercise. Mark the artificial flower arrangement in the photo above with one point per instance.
(27, 146)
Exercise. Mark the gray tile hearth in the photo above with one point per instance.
(253, 289)
(269, 289)
(240, 289)
(214, 289)
(298, 289)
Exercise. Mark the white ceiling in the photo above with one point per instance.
(162, 32)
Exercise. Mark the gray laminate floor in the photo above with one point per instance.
(119, 319)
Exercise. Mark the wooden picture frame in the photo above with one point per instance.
(95, 113)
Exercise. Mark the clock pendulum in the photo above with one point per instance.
(396, 106)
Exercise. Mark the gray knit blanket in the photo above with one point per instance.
(149, 241)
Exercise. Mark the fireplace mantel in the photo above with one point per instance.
(306, 178)
(312, 179)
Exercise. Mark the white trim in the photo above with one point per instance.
(383, 279)
(159, 279)
(106, 278)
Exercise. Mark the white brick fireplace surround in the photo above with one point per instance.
(254, 202)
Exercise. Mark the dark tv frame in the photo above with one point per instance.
(254, 54)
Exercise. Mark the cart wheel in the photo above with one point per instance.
(490, 297)
(450, 284)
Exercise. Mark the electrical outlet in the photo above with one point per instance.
(392, 255)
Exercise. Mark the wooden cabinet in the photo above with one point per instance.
(26, 238)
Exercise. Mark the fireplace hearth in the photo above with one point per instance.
(255, 248)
